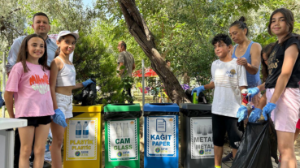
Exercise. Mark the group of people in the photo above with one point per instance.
(238, 68)
(41, 77)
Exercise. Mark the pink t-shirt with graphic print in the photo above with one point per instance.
(32, 92)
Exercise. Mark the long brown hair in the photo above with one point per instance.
(23, 53)
(266, 50)
(289, 20)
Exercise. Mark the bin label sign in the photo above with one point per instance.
(82, 139)
(161, 136)
(122, 140)
(201, 136)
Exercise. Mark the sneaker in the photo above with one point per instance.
(227, 158)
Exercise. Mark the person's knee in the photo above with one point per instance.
(39, 150)
(284, 148)
(58, 142)
(26, 151)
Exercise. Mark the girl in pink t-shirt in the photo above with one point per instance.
(28, 88)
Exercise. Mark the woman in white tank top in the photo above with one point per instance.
(62, 82)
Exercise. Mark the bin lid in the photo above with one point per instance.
(88, 109)
(122, 107)
(191, 106)
(161, 107)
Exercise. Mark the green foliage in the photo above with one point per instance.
(92, 60)
(183, 30)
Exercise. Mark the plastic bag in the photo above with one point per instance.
(258, 145)
(88, 95)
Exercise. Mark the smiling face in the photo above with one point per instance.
(278, 24)
(41, 25)
(237, 34)
(35, 48)
(221, 49)
(67, 44)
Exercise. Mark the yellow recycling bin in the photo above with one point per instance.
(82, 143)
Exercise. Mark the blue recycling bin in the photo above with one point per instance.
(161, 135)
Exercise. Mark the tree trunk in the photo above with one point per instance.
(139, 30)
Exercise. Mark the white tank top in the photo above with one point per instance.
(66, 76)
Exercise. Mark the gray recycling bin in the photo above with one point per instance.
(197, 149)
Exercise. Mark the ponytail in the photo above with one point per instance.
(57, 52)
(241, 24)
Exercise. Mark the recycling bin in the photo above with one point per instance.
(82, 145)
(197, 149)
(122, 149)
(161, 135)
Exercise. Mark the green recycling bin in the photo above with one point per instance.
(122, 147)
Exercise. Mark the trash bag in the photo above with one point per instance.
(258, 145)
(88, 95)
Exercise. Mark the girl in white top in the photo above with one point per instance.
(62, 82)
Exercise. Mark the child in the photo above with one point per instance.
(282, 88)
(28, 85)
(62, 82)
(256, 113)
(227, 78)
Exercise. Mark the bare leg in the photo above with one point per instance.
(41, 134)
(57, 142)
(26, 138)
(286, 149)
(218, 155)
(234, 151)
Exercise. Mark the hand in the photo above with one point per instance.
(242, 113)
(242, 61)
(255, 115)
(253, 91)
(59, 118)
(1, 100)
(198, 90)
(87, 82)
(268, 109)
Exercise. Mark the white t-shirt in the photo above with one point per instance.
(227, 77)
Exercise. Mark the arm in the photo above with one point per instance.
(255, 59)
(261, 87)
(262, 102)
(121, 70)
(211, 85)
(290, 57)
(8, 97)
(53, 76)
(78, 85)
(133, 66)
(13, 54)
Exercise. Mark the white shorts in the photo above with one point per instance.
(64, 103)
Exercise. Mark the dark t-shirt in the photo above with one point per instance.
(275, 62)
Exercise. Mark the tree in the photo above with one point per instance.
(138, 28)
